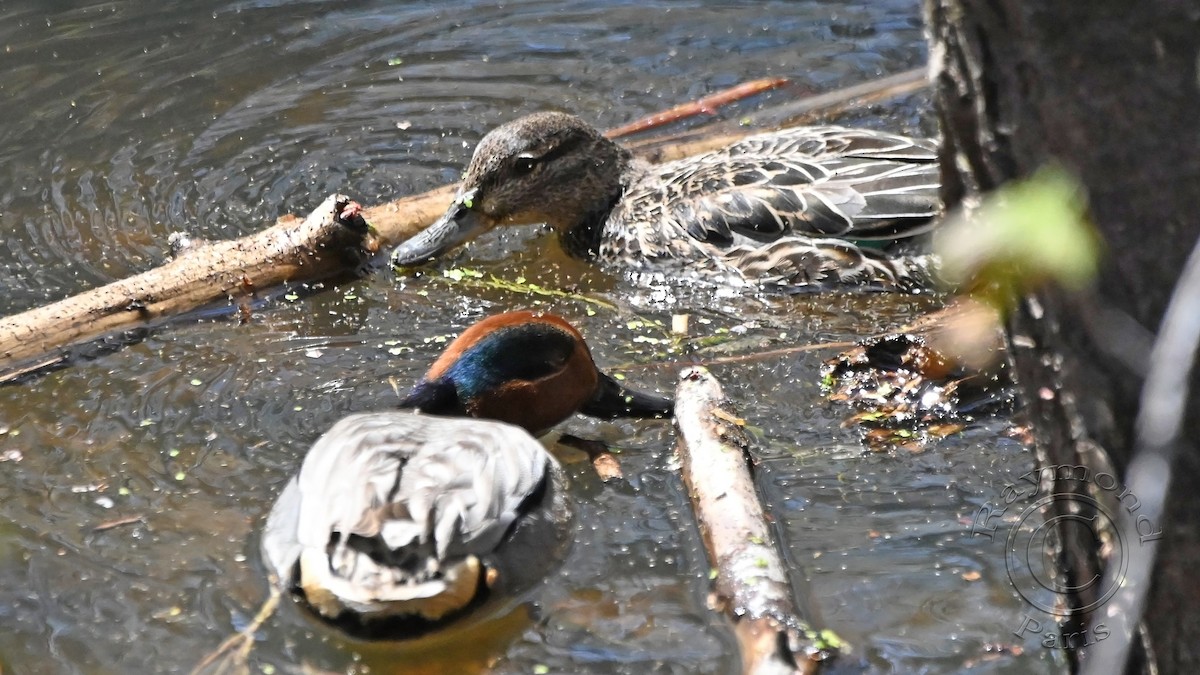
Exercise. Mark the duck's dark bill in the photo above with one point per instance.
(612, 400)
(456, 226)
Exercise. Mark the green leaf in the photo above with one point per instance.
(828, 639)
(1022, 235)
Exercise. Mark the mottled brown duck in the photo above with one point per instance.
(797, 207)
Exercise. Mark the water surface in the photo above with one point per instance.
(132, 486)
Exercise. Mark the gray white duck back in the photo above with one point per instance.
(400, 515)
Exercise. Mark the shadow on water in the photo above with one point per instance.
(132, 486)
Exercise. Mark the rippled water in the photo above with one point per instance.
(132, 486)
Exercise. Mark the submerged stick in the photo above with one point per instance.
(964, 331)
(751, 582)
(805, 110)
(290, 251)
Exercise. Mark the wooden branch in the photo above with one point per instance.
(751, 582)
(398, 220)
(290, 251)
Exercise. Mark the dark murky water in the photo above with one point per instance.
(128, 121)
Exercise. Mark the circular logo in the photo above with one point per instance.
(1040, 529)
(1035, 548)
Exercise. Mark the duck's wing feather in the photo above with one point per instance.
(393, 498)
(824, 142)
(816, 182)
(280, 545)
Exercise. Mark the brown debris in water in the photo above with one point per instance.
(906, 394)
(604, 462)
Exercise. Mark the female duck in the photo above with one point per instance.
(399, 520)
(779, 208)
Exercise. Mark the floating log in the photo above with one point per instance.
(751, 585)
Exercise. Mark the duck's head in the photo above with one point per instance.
(529, 369)
(547, 167)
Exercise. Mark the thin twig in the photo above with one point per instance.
(242, 641)
(738, 358)
(118, 523)
(704, 106)
(804, 110)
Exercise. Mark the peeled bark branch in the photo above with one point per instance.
(313, 248)
(751, 582)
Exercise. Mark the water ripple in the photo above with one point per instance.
(129, 521)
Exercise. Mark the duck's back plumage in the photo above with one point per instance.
(781, 207)
(397, 513)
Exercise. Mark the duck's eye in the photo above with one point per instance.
(525, 164)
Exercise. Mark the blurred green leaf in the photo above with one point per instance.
(1024, 234)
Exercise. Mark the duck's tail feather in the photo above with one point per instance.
(371, 590)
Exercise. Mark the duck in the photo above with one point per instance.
(799, 207)
(530, 369)
(402, 521)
